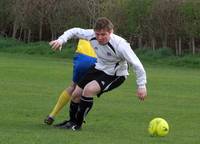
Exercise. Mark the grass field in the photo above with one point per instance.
(30, 85)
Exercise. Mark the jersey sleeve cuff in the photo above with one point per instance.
(61, 41)
(141, 86)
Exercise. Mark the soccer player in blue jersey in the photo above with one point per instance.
(84, 58)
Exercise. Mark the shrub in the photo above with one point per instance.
(158, 53)
(35, 48)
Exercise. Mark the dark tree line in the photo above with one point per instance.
(145, 23)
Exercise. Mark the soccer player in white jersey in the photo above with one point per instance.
(113, 56)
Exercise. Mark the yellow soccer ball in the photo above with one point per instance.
(158, 127)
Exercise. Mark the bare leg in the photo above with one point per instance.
(86, 102)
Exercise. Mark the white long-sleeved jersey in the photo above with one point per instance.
(112, 58)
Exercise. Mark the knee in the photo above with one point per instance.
(70, 89)
(76, 96)
(89, 91)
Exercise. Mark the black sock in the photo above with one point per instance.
(84, 107)
(73, 111)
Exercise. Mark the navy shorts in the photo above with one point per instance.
(81, 64)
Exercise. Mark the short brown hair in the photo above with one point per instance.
(103, 23)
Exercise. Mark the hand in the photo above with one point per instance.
(141, 93)
(55, 44)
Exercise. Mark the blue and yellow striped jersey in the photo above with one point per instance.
(84, 47)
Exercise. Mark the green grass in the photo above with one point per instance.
(30, 85)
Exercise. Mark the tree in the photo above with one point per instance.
(191, 13)
(4, 17)
(137, 12)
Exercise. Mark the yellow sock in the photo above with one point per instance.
(63, 100)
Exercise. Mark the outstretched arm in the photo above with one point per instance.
(71, 33)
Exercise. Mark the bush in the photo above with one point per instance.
(192, 61)
(35, 48)
(166, 56)
(5, 42)
(159, 56)
(158, 53)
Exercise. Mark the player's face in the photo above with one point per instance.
(102, 36)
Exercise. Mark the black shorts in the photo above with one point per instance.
(105, 81)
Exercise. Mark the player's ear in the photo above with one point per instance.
(110, 31)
